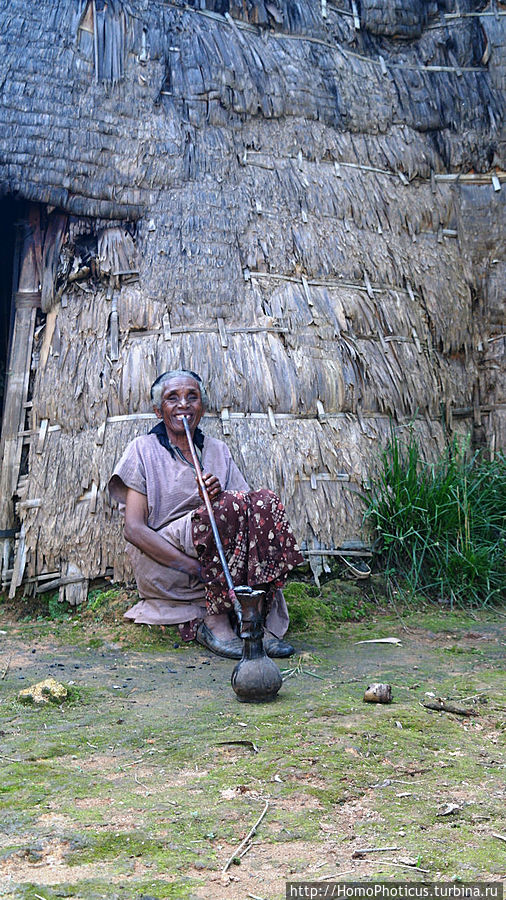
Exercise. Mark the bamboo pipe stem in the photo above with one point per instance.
(217, 539)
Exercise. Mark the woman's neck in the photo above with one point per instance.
(179, 441)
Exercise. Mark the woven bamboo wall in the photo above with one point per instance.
(314, 224)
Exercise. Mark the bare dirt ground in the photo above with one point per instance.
(139, 786)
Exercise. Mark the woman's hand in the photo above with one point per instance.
(213, 486)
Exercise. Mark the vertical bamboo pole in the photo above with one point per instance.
(26, 299)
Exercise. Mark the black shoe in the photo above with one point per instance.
(276, 648)
(232, 649)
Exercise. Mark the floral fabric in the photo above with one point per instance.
(258, 541)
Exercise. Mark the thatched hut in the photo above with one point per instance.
(300, 199)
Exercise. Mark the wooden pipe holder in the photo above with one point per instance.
(256, 678)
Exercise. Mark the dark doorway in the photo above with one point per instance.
(10, 210)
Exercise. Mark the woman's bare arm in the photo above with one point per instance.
(138, 533)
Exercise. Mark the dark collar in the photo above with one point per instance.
(161, 434)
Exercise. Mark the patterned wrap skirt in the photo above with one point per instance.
(258, 542)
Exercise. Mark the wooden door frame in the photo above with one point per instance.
(26, 299)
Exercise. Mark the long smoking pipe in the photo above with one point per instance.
(217, 539)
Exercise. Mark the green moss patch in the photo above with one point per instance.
(142, 786)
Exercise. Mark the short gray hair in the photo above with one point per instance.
(157, 386)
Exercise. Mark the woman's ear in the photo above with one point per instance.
(157, 411)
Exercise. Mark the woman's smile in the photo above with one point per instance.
(178, 419)
(180, 400)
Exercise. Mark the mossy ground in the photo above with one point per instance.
(136, 789)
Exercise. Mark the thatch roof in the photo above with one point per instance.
(301, 200)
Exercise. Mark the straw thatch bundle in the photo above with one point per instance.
(300, 200)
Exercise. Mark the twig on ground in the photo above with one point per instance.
(363, 850)
(135, 762)
(392, 862)
(245, 851)
(254, 897)
(141, 783)
(246, 839)
(502, 837)
(335, 875)
(4, 673)
(11, 758)
(441, 705)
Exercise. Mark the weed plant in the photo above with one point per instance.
(441, 524)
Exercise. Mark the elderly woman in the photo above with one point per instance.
(170, 541)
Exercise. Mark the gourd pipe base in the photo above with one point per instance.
(256, 678)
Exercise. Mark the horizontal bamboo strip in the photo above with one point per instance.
(448, 17)
(59, 579)
(304, 216)
(282, 35)
(324, 476)
(209, 329)
(48, 576)
(377, 287)
(331, 552)
(249, 157)
(471, 15)
(461, 412)
(135, 335)
(59, 582)
(382, 62)
(471, 178)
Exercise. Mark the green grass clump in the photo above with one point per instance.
(99, 600)
(313, 608)
(441, 524)
(58, 610)
(305, 607)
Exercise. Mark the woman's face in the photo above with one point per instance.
(180, 397)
